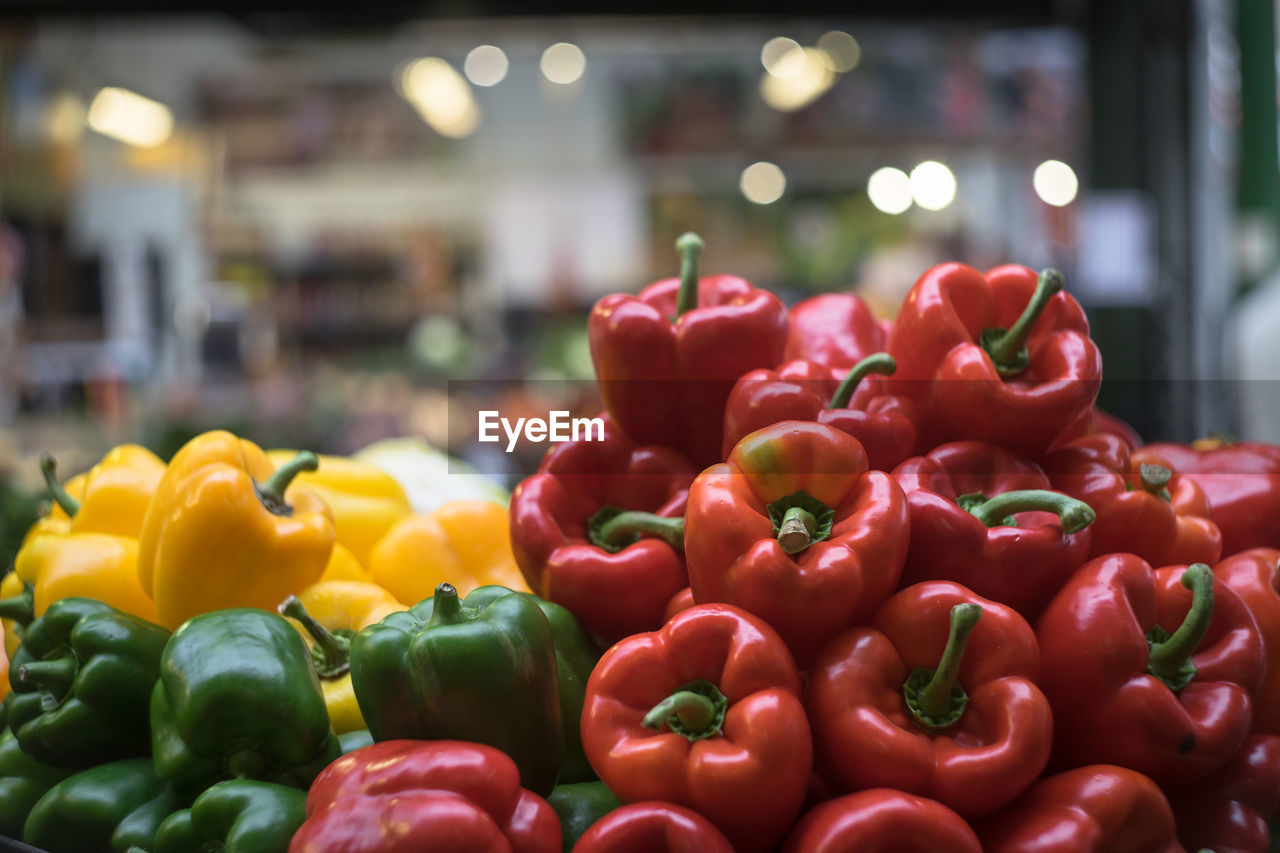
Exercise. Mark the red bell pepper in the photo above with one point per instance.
(881, 821)
(667, 359)
(807, 391)
(1099, 807)
(1151, 670)
(1003, 357)
(836, 330)
(1144, 509)
(795, 528)
(705, 713)
(936, 698)
(962, 497)
(1229, 810)
(1242, 482)
(1110, 424)
(399, 795)
(573, 548)
(1254, 576)
(653, 827)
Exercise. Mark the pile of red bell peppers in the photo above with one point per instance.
(901, 586)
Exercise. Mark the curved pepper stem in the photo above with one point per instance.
(933, 697)
(880, 362)
(797, 529)
(1154, 479)
(49, 468)
(1008, 347)
(55, 676)
(332, 652)
(271, 493)
(1074, 515)
(1170, 658)
(622, 528)
(21, 608)
(689, 245)
(696, 711)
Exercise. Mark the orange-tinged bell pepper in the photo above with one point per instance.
(366, 501)
(328, 614)
(343, 566)
(465, 543)
(227, 529)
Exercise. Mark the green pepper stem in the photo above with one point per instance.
(1154, 479)
(1073, 514)
(1167, 658)
(1005, 349)
(335, 659)
(615, 531)
(446, 608)
(20, 608)
(796, 531)
(689, 245)
(935, 697)
(694, 710)
(49, 467)
(880, 362)
(272, 491)
(56, 676)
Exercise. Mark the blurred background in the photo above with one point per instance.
(303, 225)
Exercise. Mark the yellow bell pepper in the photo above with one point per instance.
(466, 543)
(227, 529)
(328, 615)
(11, 589)
(365, 500)
(343, 566)
(113, 495)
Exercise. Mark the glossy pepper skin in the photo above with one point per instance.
(1241, 481)
(1098, 807)
(465, 543)
(881, 820)
(115, 493)
(1025, 394)
(653, 827)
(105, 809)
(704, 713)
(237, 698)
(579, 805)
(328, 615)
(576, 656)
(365, 501)
(613, 591)
(955, 536)
(1254, 576)
(222, 532)
(82, 684)
(840, 569)
(835, 330)
(240, 815)
(1145, 510)
(980, 742)
(389, 797)
(17, 609)
(447, 670)
(849, 400)
(23, 781)
(1229, 810)
(1123, 694)
(667, 358)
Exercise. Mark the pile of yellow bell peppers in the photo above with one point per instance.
(227, 524)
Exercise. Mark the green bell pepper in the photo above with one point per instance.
(81, 681)
(240, 815)
(578, 805)
(446, 670)
(576, 656)
(238, 698)
(110, 808)
(23, 781)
